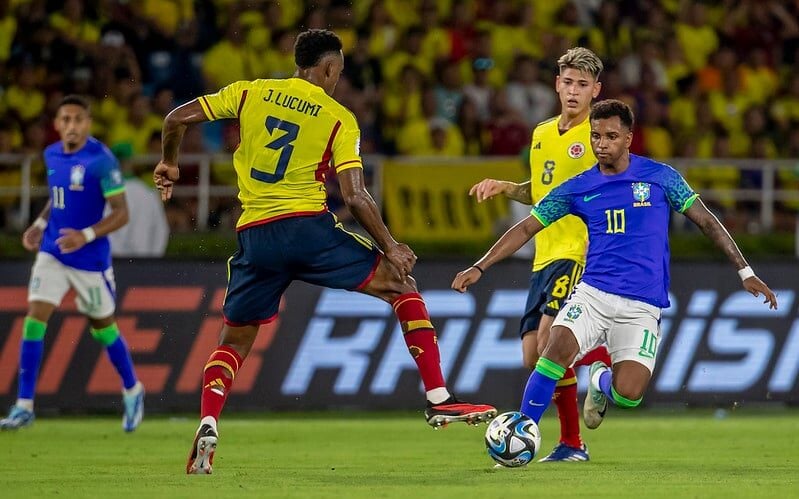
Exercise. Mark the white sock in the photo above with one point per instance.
(595, 377)
(26, 404)
(133, 390)
(209, 420)
(438, 395)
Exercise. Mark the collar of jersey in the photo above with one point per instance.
(313, 86)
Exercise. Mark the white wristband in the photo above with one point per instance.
(746, 272)
(88, 234)
(40, 223)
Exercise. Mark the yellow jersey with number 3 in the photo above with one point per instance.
(292, 132)
(554, 158)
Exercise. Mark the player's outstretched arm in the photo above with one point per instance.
(712, 228)
(32, 237)
(508, 244)
(166, 172)
(365, 211)
(488, 188)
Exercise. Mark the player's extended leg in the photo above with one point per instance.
(570, 447)
(30, 360)
(560, 351)
(624, 386)
(218, 376)
(420, 337)
(633, 341)
(107, 333)
(549, 288)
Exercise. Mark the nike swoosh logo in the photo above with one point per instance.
(50, 172)
(536, 405)
(589, 198)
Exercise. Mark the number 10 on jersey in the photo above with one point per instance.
(615, 221)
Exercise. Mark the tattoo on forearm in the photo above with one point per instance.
(714, 230)
(521, 193)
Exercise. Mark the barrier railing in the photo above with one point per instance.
(770, 185)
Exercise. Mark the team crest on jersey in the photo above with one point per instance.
(573, 313)
(116, 176)
(641, 194)
(76, 178)
(576, 150)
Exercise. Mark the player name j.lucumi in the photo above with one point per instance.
(292, 102)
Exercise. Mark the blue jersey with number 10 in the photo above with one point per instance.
(79, 184)
(627, 216)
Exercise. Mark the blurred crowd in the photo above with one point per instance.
(707, 79)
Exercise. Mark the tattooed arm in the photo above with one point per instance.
(713, 229)
(488, 188)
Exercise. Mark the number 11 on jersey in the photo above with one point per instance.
(58, 198)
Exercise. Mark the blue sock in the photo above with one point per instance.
(606, 384)
(540, 388)
(30, 359)
(30, 356)
(120, 356)
(118, 353)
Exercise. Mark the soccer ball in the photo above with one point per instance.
(513, 439)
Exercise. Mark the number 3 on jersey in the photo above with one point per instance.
(283, 142)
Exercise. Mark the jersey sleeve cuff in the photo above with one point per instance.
(355, 163)
(539, 217)
(206, 108)
(688, 203)
(113, 192)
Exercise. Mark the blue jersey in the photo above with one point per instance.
(627, 216)
(79, 184)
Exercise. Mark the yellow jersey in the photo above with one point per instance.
(292, 132)
(554, 158)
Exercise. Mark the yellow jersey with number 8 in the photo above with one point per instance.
(292, 133)
(554, 158)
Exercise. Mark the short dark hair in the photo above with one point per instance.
(75, 100)
(312, 45)
(609, 108)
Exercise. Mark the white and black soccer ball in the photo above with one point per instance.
(513, 439)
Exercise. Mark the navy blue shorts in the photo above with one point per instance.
(315, 249)
(549, 289)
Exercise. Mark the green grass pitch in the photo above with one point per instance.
(364, 455)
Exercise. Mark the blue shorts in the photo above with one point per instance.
(315, 249)
(549, 289)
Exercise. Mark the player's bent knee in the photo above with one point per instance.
(627, 399)
(630, 381)
(40, 311)
(627, 395)
(386, 286)
(539, 351)
(562, 346)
